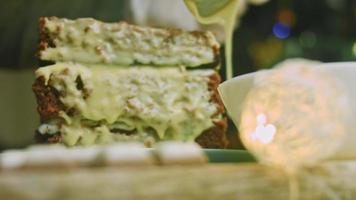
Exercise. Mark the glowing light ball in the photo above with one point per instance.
(294, 115)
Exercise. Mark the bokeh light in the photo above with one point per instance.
(354, 49)
(281, 30)
(281, 127)
(286, 16)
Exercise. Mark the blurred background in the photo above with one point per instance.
(323, 30)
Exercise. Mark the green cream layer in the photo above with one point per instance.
(136, 103)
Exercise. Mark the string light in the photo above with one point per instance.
(286, 16)
(281, 30)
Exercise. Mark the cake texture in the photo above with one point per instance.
(114, 82)
(91, 41)
(84, 105)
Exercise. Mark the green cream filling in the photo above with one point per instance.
(135, 103)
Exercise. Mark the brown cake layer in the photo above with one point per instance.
(49, 106)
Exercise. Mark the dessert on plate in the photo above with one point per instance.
(112, 82)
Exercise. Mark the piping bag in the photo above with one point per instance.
(225, 13)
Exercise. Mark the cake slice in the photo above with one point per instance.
(84, 105)
(90, 41)
(116, 82)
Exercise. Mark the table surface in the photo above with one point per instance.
(334, 180)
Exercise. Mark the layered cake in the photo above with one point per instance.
(113, 82)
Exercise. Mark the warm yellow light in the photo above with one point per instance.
(263, 133)
(292, 113)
